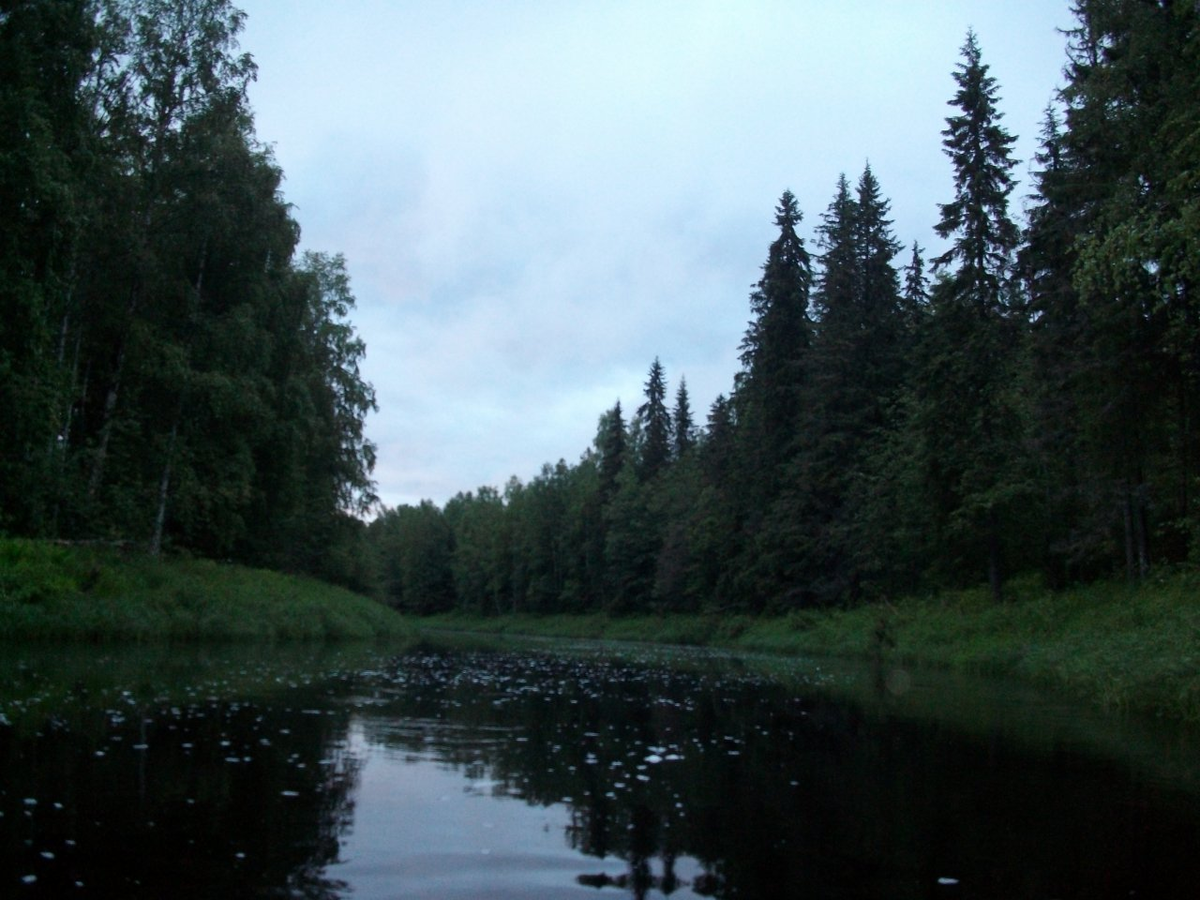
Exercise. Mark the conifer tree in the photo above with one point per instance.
(916, 284)
(768, 398)
(1077, 512)
(984, 235)
(968, 419)
(1131, 191)
(612, 446)
(855, 369)
(655, 420)
(838, 281)
(681, 420)
(768, 390)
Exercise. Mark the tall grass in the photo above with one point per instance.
(1120, 646)
(50, 592)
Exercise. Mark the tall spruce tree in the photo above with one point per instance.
(769, 388)
(968, 418)
(1077, 508)
(768, 400)
(684, 429)
(655, 421)
(855, 369)
(612, 445)
(916, 284)
(983, 234)
(1131, 191)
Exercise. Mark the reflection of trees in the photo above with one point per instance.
(203, 797)
(773, 794)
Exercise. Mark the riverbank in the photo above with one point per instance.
(1118, 646)
(1111, 644)
(53, 592)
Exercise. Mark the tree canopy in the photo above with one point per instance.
(1028, 409)
(171, 374)
(175, 375)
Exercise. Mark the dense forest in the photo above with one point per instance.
(175, 374)
(172, 372)
(1023, 403)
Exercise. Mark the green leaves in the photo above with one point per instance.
(171, 374)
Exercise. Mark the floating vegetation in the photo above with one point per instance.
(699, 772)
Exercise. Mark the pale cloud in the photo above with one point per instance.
(535, 199)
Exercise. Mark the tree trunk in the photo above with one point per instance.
(164, 487)
(995, 573)
(106, 427)
(110, 401)
(1140, 531)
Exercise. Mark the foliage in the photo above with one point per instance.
(173, 376)
(103, 593)
(1030, 412)
(1108, 643)
(169, 373)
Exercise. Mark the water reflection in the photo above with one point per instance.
(435, 773)
(766, 791)
(185, 788)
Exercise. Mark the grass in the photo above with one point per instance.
(1118, 646)
(51, 592)
(1112, 644)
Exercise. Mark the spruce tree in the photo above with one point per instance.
(655, 420)
(838, 281)
(1075, 536)
(916, 285)
(983, 234)
(854, 371)
(768, 390)
(1131, 189)
(968, 419)
(612, 447)
(681, 420)
(768, 399)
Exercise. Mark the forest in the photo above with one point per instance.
(1021, 405)
(175, 375)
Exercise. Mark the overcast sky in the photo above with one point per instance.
(535, 199)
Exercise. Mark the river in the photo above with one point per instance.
(572, 770)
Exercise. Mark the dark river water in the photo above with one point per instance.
(547, 771)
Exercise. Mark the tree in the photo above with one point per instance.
(44, 54)
(1129, 186)
(655, 421)
(631, 546)
(916, 285)
(1077, 510)
(984, 236)
(414, 546)
(776, 340)
(177, 66)
(480, 558)
(969, 420)
(767, 402)
(684, 436)
(169, 374)
(854, 369)
(612, 447)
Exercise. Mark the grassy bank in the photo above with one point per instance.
(50, 592)
(1117, 646)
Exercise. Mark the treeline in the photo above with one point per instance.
(171, 373)
(1027, 404)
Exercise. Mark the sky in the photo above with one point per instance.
(536, 199)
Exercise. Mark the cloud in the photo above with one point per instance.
(535, 199)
